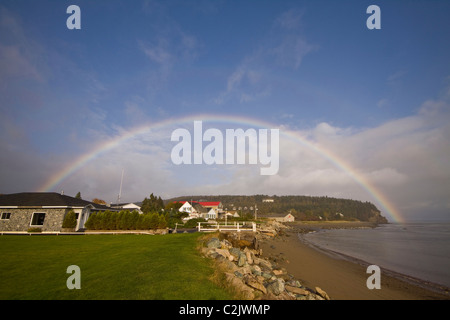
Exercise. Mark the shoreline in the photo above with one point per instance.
(342, 277)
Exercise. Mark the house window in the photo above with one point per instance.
(38, 219)
(6, 215)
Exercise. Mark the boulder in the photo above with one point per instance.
(235, 252)
(226, 244)
(267, 275)
(294, 283)
(322, 293)
(245, 270)
(240, 286)
(297, 290)
(276, 287)
(256, 270)
(248, 255)
(242, 260)
(264, 264)
(255, 284)
(278, 272)
(224, 252)
(213, 243)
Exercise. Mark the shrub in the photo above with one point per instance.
(125, 220)
(35, 229)
(192, 223)
(70, 220)
(99, 221)
(90, 223)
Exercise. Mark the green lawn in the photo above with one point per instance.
(112, 267)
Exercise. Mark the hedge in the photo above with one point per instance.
(125, 220)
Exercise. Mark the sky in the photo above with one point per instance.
(362, 113)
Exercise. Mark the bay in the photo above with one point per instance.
(420, 250)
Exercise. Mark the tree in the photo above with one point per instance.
(152, 204)
(99, 201)
(154, 220)
(172, 208)
(70, 220)
(78, 196)
(91, 222)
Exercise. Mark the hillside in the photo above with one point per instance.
(302, 207)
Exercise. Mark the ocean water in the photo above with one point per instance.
(420, 250)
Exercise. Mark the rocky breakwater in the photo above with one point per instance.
(253, 276)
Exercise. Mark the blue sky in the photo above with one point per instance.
(310, 66)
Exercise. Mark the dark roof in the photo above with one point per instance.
(199, 208)
(38, 199)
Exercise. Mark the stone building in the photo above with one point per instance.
(45, 210)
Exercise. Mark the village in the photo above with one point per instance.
(48, 212)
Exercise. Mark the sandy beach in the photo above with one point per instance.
(341, 278)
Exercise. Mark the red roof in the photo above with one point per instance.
(205, 204)
(210, 203)
(183, 202)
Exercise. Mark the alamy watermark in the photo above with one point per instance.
(74, 281)
(228, 149)
(374, 281)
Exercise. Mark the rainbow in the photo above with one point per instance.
(334, 159)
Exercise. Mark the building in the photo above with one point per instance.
(216, 205)
(267, 200)
(287, 218)
(44, 210)
(212, 214)
(130, 206)
(201, 209)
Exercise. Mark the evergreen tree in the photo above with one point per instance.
(70, 220)
(91, 222)
(152, 204)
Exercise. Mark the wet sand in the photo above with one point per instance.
(341, 278)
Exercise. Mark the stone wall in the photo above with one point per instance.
(20, 219)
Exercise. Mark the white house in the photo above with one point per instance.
(287, 218)
(198, 209)
(187, 207)
(212, 214)
(130, 206)
(194, 210)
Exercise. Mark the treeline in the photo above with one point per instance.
(302, 207)
(125, 220)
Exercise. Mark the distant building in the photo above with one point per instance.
(268, 200)
(201, 209)
(287, 218)
(130, 206)
(211, 215)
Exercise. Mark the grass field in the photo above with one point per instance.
(112, 267)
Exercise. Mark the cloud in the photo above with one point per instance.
(285, 46)
(245, 84)
(287, 43)
(291, 50)
(19, 56)
(159, 52)
(289, 20)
